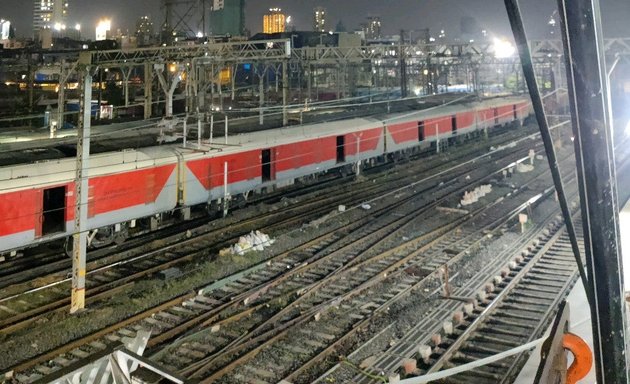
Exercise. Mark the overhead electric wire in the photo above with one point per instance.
(520, 36)
(218, 144)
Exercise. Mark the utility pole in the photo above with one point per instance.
(403, 65)
(79, 238)
(285, 93)
(594, 151)
(61, 100)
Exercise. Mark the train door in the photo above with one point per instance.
(514, 112)
(268, 169)
(341, 149)
(496, 116)
(421, 134)
(54, 211)
(454, 125)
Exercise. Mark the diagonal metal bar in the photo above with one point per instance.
(520, 36)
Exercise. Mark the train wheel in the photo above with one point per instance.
(121, 236)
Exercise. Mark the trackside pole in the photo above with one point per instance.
(226, 129)
(79, 239)
(225, 189)
(199, 131)
(185, 130)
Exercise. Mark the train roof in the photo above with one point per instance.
(280, 136)
(450, 109)
(60, 171)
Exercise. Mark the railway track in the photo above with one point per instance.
(182, 314)
(517, 311)
(290, 342)
(509, 301)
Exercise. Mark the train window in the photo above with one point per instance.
(267, 162)
(421, 135)
(454, 124)
(341, 149)
(54, 211)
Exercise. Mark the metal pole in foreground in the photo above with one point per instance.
(592, 127)
(79, 238)
(520, 36)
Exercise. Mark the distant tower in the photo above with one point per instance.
(227, 17)
(372, 29)
(49, 14)
(319, 19)
(144, 31)
(275, 21)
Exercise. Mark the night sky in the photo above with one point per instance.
(395, 14)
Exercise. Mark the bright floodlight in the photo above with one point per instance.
(628, 128)
(503, 49)
(102, 28)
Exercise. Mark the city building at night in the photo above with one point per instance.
(227, 17)
(144, 31)
(319, 19)
(274, 21)
(372, 29)
(49, 14)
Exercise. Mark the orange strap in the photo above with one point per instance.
(583, 358)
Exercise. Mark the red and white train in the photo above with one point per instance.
(37, 200)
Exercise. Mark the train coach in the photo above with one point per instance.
(130, 188)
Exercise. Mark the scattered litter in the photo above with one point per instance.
(539, 157)
(467, 177)
(366, 206)
(453, 210)
(342, 208)
(254, 241)
(475, 195)
(524, 168)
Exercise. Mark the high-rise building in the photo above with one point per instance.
(6, 30)
(373, 28)
(275, 21)
(144, 31)
(319, 19)
(227, 17)
(49, 14)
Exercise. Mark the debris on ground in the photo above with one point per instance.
(524, 168)
(475, 195)
(254, 241)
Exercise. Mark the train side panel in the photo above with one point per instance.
(121, 189)
(466, 122)
(438, 128)
(404, 135)
(254, 168)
